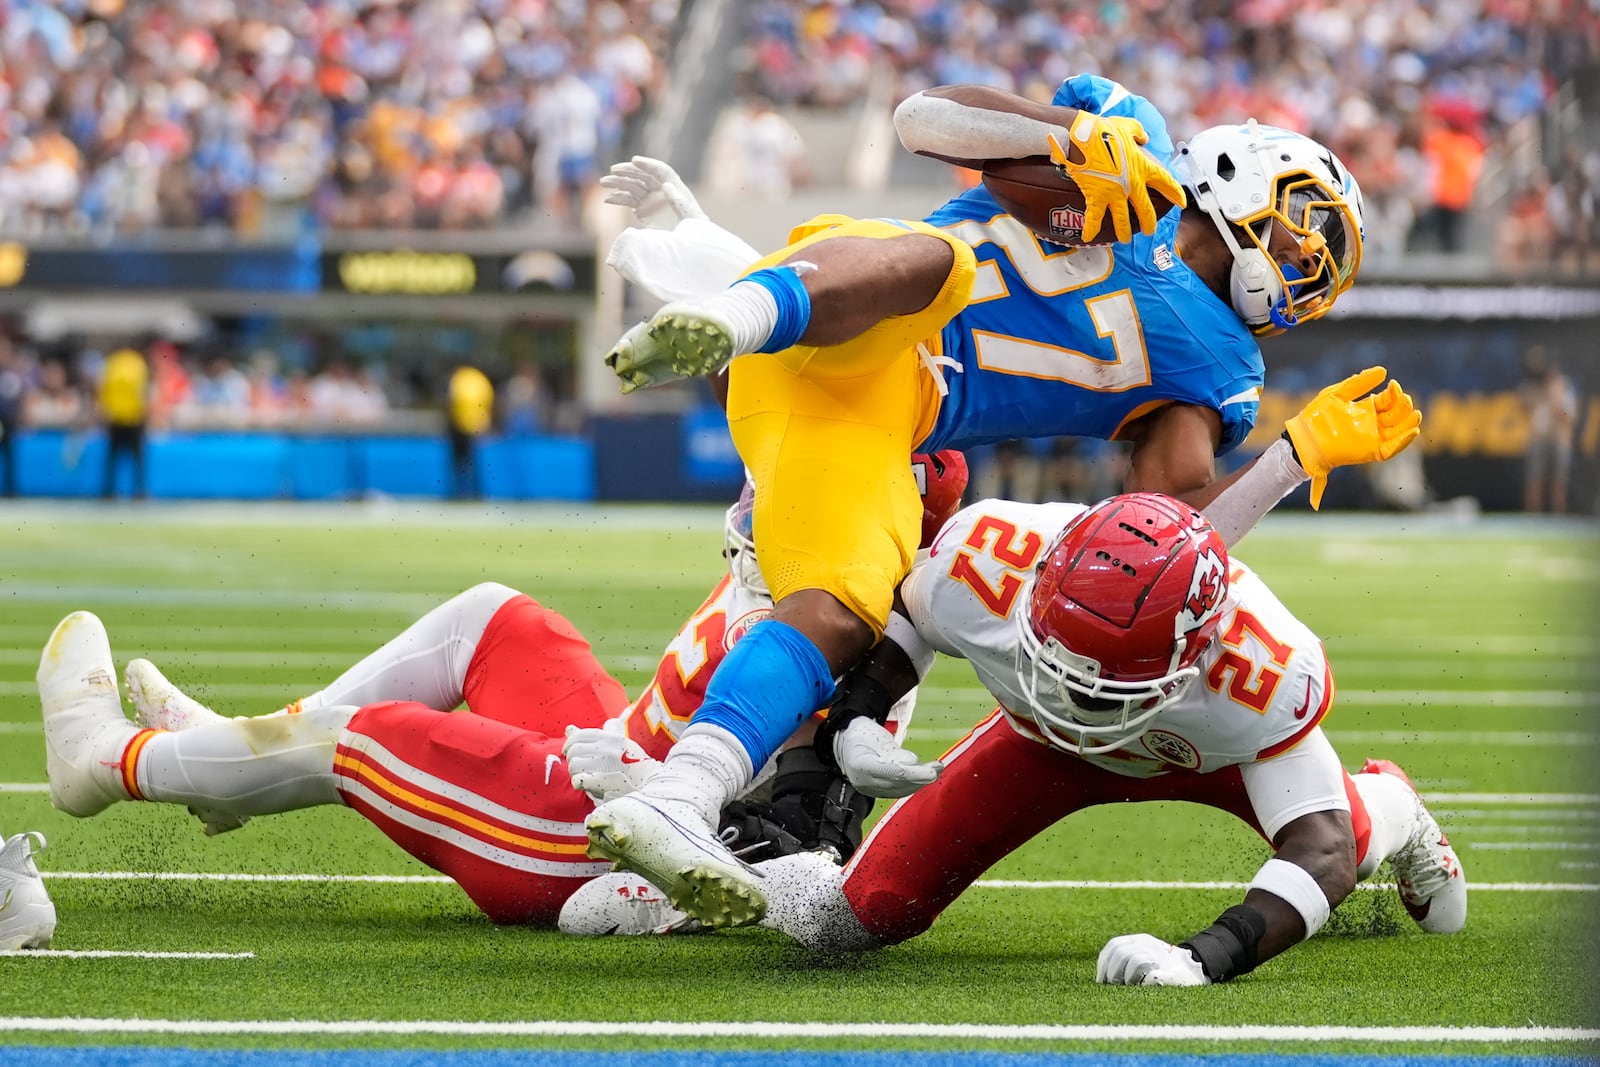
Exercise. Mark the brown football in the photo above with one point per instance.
(1036, 194)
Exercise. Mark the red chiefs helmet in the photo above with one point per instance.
(1126, 599)
(941, 479)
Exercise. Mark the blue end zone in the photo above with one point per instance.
(133, 1056)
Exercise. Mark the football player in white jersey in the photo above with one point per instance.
(1132, 661)
(487, 798)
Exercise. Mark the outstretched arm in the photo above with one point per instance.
(1345, 424)
(1313, 870)
(1300, 799)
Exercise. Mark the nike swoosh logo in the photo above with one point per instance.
(1300, 712)
(627, 757)
(550, 762)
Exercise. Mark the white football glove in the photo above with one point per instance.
(874, 762)
(606, 762)
(653, 190)
(1142, 959)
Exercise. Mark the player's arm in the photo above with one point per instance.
(1299, 799)
(1103, 155)
(968, 125)
(1345, 424)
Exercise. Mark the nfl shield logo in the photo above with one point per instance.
(1067, 221)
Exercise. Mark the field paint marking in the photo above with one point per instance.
(282, 692)
(1508, 738)
(1519, 699)
(241, 876)
(982, 883)
(969, 1031)
(1532, 846)
(1587, 799)
(193, 658)
(1506, 887)
(1440, 800)
(109, 954)
(21, 727)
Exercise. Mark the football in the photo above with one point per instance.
(1040, 197)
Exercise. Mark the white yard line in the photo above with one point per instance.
(955, 1031)
(285, 691)
(109, 954)
(1446, 699)
(1532, 846)
(1532, 799)
(982, 883)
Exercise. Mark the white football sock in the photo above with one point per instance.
(1392, 807)
(427, 662)
(749, 308)
(256, 766)
(706, 768)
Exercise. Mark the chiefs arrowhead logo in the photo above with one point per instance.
(1207, 588)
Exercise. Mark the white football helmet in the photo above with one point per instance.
(738, 534)
(1246, 178)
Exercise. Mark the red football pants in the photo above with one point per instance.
(999, 790)
(484, 797)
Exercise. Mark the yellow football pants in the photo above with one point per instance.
(827, 433)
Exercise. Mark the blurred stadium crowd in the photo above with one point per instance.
(271, 114)
(266, 114)
(1416, 96)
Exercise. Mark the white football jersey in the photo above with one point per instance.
(662, 711)
(1264, 682)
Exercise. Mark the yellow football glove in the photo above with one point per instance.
(1343, 425)
(1114, 173)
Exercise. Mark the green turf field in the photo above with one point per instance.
(1466, 653)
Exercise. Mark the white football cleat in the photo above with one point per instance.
(679, 341)
(1427, 871)
(623, 904)
(161, 705)
(27, 917)
(669, 843)
(85, 731)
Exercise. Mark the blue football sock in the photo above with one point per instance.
(772, 680)
(794, 305)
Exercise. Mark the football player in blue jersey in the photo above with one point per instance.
(864, 340)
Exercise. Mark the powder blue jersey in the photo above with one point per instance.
(1063, 341)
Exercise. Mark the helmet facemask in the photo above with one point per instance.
(738, 534)
(1082, 712)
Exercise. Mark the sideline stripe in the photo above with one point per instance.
(158, 1056)
(1590, 799)
(109, 954)
(982, 883)
(1441, 800)
(1446, 699)
(966, 1031)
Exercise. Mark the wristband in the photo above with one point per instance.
(903, 632)
(1294, 885)
(1292, 450)
(1229, 947)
